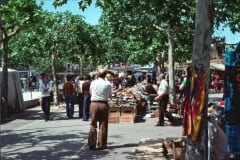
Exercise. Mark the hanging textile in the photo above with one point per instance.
(232, 99)
(194, 104)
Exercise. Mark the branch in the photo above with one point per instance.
(15, 31)
(159, 28)
(2, 31)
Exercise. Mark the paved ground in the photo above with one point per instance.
(29, 137)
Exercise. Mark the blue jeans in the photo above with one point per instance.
(86, 105)
(69, 99)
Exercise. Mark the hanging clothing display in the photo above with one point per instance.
(231, 99)
(194, 104)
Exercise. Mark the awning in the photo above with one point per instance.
(217, 66)
(67, 73)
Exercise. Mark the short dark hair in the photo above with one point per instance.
(69, 77)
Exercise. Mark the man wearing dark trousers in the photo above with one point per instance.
(79, 97)
(69, 92)
(162, 99)
(86, 97)
(45, 89)
(100, 91)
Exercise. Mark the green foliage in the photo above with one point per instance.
(17, 15)
(61, 34)
(227, 13)
(137, 17)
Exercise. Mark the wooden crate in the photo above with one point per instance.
(128, 110)
(113, 119)
(114, 115)
(128, 114)
(114, 111)
(130, 118)
(155, 113)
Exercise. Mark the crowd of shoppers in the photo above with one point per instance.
(92, 94)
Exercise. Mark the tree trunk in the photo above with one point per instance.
(197, 150)
(4, 79)
(172, 94)
(159, 62)
(81, 59)
(55, 81)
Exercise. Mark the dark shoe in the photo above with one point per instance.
(102, 148)
(46, 119)
(70, 117)
(159, 124)
(92, 147)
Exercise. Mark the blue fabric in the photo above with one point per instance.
(86, 105)
(233, 138)
(232, 100)
(231, 57)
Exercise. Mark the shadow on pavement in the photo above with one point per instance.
(87, 154)
(30, 145)
(37, 114)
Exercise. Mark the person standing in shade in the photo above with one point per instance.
(45, 89)
(162, 98)
(69, 92)
(79, 97)
(101, 92)
(86, 97)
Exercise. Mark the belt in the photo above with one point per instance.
(100, 102)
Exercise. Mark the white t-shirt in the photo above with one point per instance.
(163, 87)
(100, 90)
(79, 85)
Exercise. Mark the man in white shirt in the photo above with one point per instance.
(101, 92)
(162, 98)
(45, 89)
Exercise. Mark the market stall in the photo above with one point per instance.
(123, 106)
